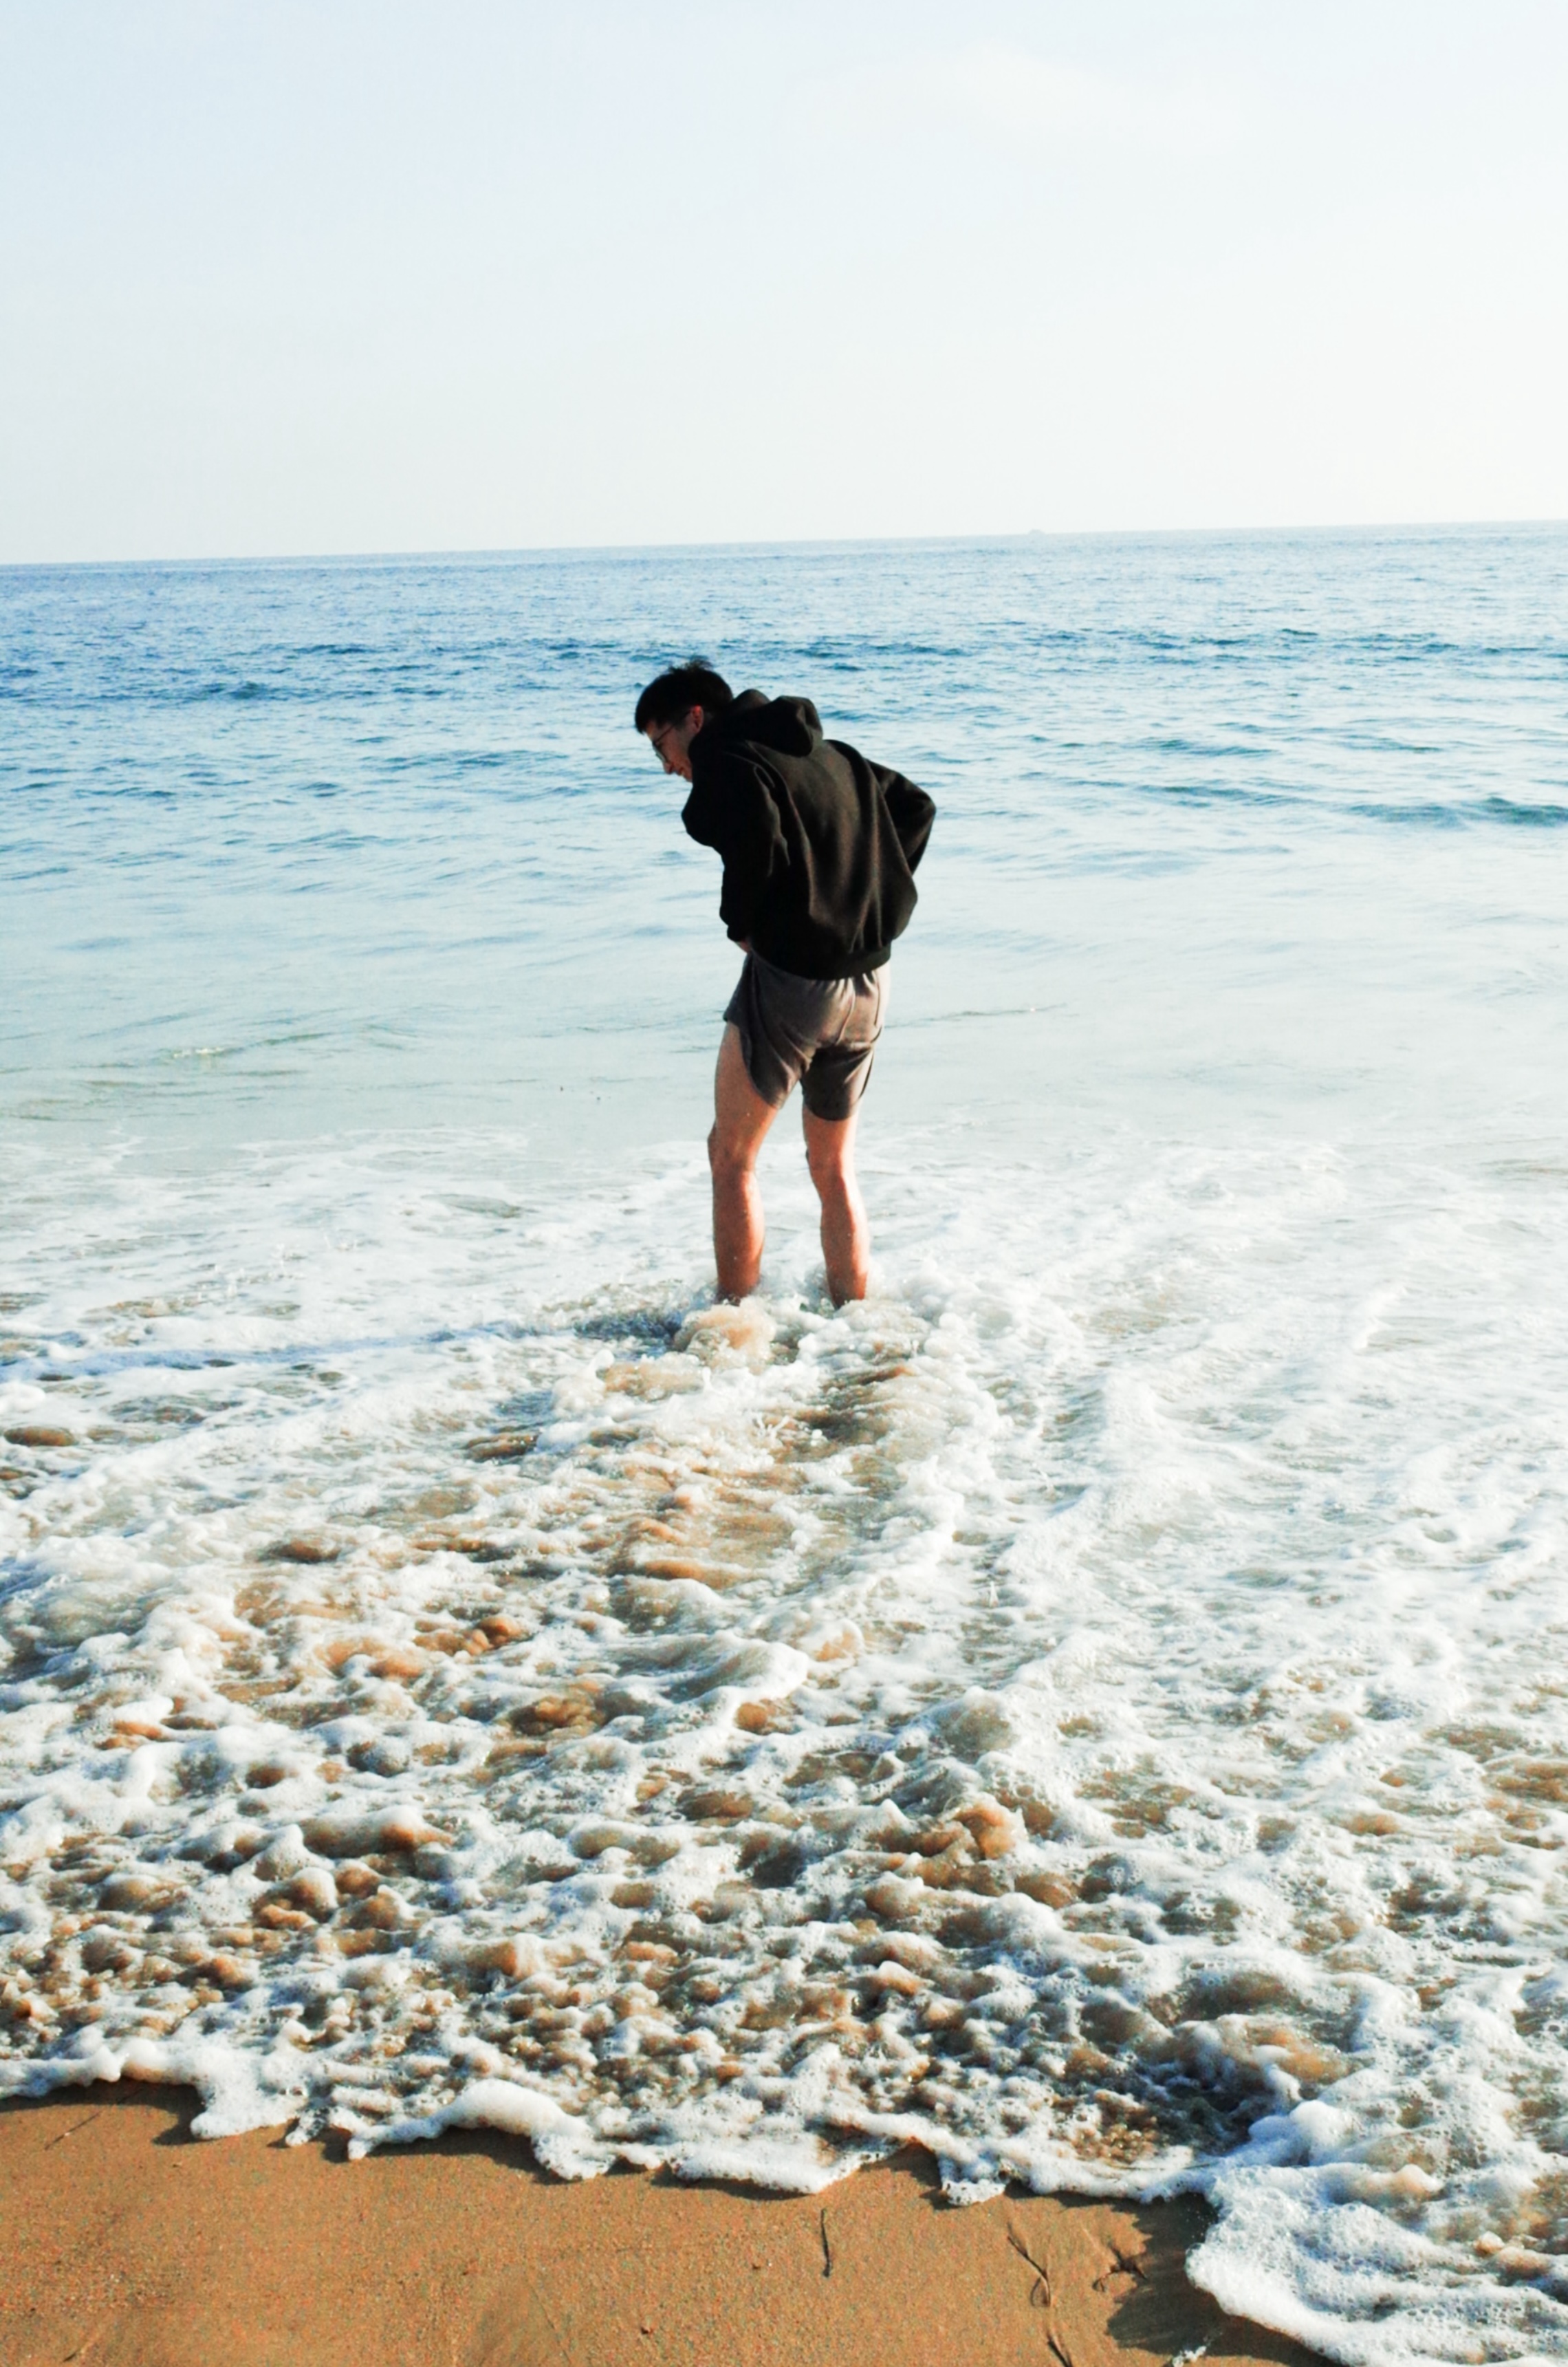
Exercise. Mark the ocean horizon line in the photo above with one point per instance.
(806, 545)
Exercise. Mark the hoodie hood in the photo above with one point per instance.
(789, 727)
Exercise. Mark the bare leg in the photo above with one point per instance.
(741, 1119)
(846, 1239)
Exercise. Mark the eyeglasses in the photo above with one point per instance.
(658, 739)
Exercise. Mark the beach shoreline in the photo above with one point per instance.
(135, 2244)
(1083, 1710)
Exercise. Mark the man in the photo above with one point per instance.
(818, 849)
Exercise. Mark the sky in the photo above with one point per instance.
(319, 275)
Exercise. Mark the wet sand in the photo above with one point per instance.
(130, 2243)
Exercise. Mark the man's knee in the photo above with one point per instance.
(829, 1164)
(728, 1159)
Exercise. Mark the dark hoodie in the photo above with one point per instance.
(819, 844)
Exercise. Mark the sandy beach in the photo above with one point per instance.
(135, 2244)
(783, 1302)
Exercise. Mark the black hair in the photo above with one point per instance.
(671, 697)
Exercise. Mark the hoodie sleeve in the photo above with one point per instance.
(910, 810)
(729, 810)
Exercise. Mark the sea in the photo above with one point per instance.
(1096, 1711)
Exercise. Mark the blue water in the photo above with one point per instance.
(1095, 1711)
(296, 846)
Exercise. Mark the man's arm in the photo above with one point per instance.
(729, 810)
(910, 810)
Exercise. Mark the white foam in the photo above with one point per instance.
(1093, 1711)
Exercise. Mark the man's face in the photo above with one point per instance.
(671, 743)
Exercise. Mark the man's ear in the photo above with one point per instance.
(699, 718)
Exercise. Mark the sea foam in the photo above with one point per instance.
(1092, 1711)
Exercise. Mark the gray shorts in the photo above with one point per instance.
(819, 1032)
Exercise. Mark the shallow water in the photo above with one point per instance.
(1096, 1709)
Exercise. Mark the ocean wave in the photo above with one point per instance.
(1082, 1712)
